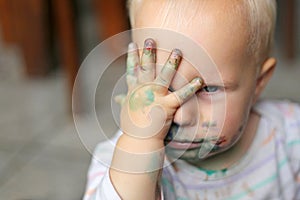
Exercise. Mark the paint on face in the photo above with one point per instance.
(219, 144)
(139, 101)
(241, 128)
(209, 124)
(172, 132)
(214, 139)
(196, 154)
(205, 149)
(221, 140)
(209, 145)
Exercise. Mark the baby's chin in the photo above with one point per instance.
(194, 155)
(195, 149)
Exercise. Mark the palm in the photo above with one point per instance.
(149, 107)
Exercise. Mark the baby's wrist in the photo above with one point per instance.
(133, 155)
(140, 145)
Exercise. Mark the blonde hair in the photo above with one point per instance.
(261, 18)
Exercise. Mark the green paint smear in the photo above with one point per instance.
(211, 172)
(139, 102)
(147, 52)
(150, 97)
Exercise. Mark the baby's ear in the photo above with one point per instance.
(265, 74)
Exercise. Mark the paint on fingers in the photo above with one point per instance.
(168, 71)
(132, 59)
(132, 64)
(174, 59)
(149, 55)
(139, 100)
(190, 89)
(147, 67)
(149, 48)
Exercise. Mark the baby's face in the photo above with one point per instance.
(218, 115)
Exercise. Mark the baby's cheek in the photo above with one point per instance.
(230, 131)
(235, 135)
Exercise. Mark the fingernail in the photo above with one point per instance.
(149, 46)
(149, 43)
(132, 46)
(197, 81)
(176, 52)
(175, 58)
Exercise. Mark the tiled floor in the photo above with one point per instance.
(41, 155)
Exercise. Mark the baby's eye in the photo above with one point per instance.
(210, 89)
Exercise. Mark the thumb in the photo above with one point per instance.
(120, 99)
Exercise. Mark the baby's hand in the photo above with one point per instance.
(146, 115)
(149, 107)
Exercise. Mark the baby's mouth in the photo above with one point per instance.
(183, 145)
(171, 142)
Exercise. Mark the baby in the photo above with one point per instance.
(188, 132)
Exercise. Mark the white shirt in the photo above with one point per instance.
(269, 170)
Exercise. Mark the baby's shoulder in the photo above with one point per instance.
(284, 116)
(281, 112)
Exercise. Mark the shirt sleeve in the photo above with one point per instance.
(106, 189)
(292, 129)
(291, 112)
(99, 185)
(285, 116)
(293, 144)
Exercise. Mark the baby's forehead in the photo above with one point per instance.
(212, 24)
(187, 13)
(197, 19)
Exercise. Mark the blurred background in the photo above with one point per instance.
(42, 44)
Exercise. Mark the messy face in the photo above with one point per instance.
(216, 117)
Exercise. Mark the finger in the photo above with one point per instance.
(120, 99)
(132, 65)
(180, 96)
(169, 69)
(147, 67)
